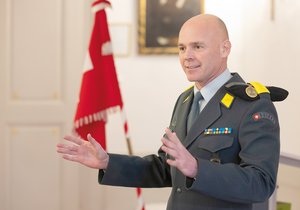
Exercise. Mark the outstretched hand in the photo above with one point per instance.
(182, 158)
(89, 153)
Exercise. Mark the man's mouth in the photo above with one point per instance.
(192, 67)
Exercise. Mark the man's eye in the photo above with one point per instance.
(181, 49)
(198, 47)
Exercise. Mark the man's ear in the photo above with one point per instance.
(225, 48)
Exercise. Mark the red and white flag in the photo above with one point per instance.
(100, 93)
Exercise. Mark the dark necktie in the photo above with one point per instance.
(194, 110)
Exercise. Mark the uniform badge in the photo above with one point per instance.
(263, 115)
(227, 100)
(251, 92)
(214, 131)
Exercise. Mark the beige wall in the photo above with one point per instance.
(48, 39)
(289, 185)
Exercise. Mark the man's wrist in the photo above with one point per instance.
(195, 169)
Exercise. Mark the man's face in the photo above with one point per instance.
(200, 53)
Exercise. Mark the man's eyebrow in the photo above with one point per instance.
(199, 42)
(191, 43)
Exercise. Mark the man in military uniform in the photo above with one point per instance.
(221, 150)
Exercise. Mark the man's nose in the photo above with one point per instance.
(188, 54)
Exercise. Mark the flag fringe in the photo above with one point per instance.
(98, 116)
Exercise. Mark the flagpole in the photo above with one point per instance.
(130, 152)
(126, 130)
(141, 204)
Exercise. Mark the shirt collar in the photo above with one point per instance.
(209, 90)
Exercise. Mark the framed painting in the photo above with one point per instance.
(160, 22)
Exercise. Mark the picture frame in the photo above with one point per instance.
(120, 34)
(160, 22)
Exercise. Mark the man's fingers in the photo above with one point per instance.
(168, 147)
(94, 142)
(170, 142)
(73, 139)
(168, 134)
(67, 149)
(70, 157)
(172, 162)
(167, 143)
(168, 131)
(169, 151)
(165, 149)
(171, 135)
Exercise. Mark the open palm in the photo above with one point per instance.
(89, 153)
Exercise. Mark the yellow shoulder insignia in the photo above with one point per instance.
(189, 88)
(254, 90)
(227, 100)
(259, 88)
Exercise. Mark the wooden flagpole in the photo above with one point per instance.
(141, 204)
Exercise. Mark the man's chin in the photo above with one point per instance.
(191, 79)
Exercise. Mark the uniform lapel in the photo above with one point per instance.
(209, 114)
(181, 118)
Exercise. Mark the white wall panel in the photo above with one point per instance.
(40, 67)
(3, 57)
(34, 181)
(36, 49)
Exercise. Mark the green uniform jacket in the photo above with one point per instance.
(237, 149)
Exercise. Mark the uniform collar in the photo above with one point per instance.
(209, 90)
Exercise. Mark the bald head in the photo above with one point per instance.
(210, 24)
(204, 47)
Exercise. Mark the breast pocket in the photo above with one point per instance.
(215, 143)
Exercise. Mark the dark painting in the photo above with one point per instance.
(160, 22)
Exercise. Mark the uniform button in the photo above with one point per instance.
(215, 160)
(178, 190)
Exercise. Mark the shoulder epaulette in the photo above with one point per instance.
(252, 91)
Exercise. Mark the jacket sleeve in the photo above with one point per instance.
(134, 171)
(254, 178)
